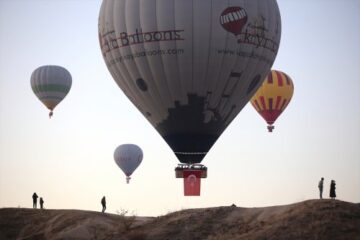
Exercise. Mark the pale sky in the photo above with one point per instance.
(68, 160)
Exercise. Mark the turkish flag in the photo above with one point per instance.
(192, 181)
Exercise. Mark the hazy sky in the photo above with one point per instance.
(68, 160)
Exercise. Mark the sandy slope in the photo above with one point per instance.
(313, 219)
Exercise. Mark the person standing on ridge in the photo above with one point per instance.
(103, 203)
(34, 197)
(41, 203)
(332, 189)
(321, 187)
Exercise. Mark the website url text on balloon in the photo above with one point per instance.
(171, 51)
(244, 54)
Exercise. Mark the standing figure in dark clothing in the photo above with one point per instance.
(332, 189)
(34, 197)
(321, 186)
(41, 203)
(103, 203)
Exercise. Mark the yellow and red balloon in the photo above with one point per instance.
(273, 96)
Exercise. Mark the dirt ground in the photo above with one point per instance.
(312, 219)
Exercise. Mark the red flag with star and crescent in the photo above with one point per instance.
(192, 182)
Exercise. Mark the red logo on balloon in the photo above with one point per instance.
(233, 19)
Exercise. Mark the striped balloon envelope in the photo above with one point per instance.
(51, 84)
(273, 96)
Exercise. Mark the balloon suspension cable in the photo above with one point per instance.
(51, 113)
(270, 128)
(191, 153)
(128, 180)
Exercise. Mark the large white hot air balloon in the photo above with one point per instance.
(189, 66)
(51, 84)
(128, 157)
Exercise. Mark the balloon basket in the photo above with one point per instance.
(270, 128)
(128, 180)
(192, 174)
(181, 168)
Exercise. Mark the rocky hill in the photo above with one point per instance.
(313, 219)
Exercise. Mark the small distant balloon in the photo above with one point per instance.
(51, 84)
(273, 96)
(128, 157)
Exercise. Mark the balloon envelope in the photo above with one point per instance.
(189, 66)
(51, 84)
(273, 96)
(128, 157)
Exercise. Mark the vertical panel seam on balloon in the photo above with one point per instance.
(283, 105)
(287, 79)
(125, 67)
(270, 104)
(157, 90)
(151, 98)
(209, 48)
(44, 77)
(270, 13)
(246, 64)
(262, 101)
(117, 71)
(192, 48)
(232, 69)
(167, 80)
(135, 62)
(152, 74)
(162, 62)
(258, 108)
(182, 89)
(270, 77)
(279, 78)
(222, 61)
(278, 100)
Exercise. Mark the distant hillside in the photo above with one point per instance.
(313, 219)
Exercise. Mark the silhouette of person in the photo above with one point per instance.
(41, 203)
(103, 203)
(321, 187)
(34, 197)
(332, 189)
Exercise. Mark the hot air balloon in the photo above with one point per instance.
(273, 96)
(189, 66)
(51, 84)
(128, 157)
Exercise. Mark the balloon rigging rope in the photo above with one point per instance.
(191, 153)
